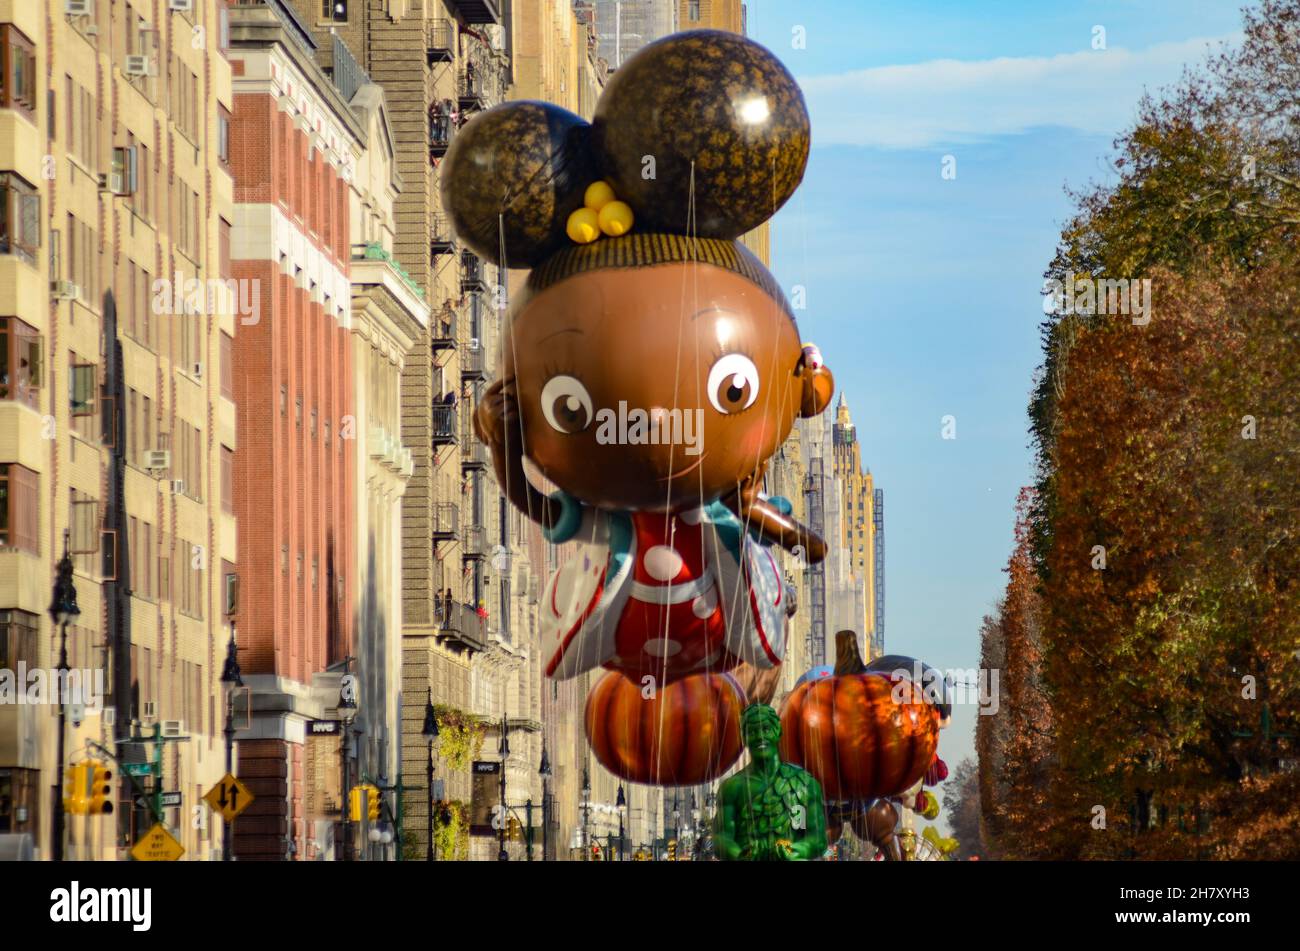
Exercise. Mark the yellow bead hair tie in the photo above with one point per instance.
(601, 212)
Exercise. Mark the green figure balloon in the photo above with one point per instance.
(771, 811)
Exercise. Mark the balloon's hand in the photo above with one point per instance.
(497, 416)
(771, 524)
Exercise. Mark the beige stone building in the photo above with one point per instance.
(116, 416)
(389, 315)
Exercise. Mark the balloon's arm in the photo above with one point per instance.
(812, 844)
(770, 523)
(724, 832)
(496, 417)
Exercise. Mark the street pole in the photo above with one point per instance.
(504, 750)
(228, 828)
(428, 853)
(63, 610)
(347, 708)
(347, 792)
(63, 729)
(528, 814)
(230, 680)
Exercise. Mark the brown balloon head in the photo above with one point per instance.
(703, 132)
(655, 372)
(512, 177)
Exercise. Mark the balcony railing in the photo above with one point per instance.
(442, 124)
(444, 424)
(474, 455)
(460, 623)
(446, 522)
(443, 331)
(473, 363)
(472, 275)
(472, 542)
(440, 40)
(442, 239)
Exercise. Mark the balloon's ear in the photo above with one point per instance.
(818, 388)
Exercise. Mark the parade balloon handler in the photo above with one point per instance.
(640, 294)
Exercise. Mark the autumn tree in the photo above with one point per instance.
(1162, 530)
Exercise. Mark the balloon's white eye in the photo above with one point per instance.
(566, 404)
(733, 383)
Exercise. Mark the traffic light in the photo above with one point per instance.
(101, 789)
(672, 850)
(76, 784)
(371, 794)
(514, 830)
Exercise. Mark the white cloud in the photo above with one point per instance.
(945, 102)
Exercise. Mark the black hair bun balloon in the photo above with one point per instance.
(713, 98)
(517, 170)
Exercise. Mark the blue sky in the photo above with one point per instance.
(925, 294)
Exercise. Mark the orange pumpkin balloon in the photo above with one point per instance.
(687, 732)
(859, 743)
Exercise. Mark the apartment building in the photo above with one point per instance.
(302, 479)
(116, 411)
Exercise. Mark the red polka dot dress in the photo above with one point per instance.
(672, 624)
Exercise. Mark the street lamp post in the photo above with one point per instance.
(586, 813)
(347, 713)
(544, 770)
(230, 680)
(620, 803)
(430, 733)
(63, 611)
(504, 751)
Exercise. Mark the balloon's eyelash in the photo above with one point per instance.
(552, 370)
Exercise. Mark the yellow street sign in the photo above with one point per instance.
(157, 845)
(229, 797)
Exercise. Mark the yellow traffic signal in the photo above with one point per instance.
(101, 789)
(371, 794)
(672, 850)
(76, 784)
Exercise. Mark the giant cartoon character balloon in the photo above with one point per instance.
(650, 367)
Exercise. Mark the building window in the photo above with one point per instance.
(20, 361)
(227, 480)
(336, 10)
(84, 531)
(227, 366)
(223, 135)
(20, 217)
(693, 11)
(17, 638)
(83, 386)
(17, 70)
(19, 500)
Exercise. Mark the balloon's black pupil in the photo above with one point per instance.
(734, 393)
(572, 417)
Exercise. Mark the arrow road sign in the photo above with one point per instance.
(229, 797)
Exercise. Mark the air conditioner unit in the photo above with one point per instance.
(64, 290)
(137, 65)
(196, 370)
(473, 343)
(149, 710)
(79, 8)
(172, 729)
(178, 486)
(91, 30)
(181, 6)
(158, 459)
